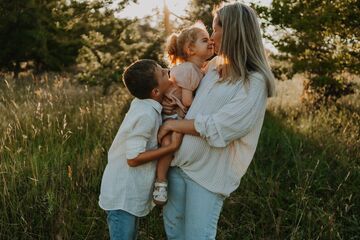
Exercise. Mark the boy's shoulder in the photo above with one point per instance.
(144, 107)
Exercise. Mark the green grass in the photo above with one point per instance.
(302, 184)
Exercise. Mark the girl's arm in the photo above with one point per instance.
(187, 97)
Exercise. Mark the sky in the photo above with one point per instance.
(148, 8)
(178, 7)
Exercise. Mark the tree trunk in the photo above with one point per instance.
(17, 70)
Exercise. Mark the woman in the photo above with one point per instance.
(222, 126)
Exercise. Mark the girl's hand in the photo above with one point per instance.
(164, 130)
(169, 106)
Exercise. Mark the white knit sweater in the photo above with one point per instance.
(229, 118)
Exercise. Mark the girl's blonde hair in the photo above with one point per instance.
(242, 50)
(178, 43)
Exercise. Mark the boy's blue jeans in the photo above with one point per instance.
(122, 225)
(192, 212)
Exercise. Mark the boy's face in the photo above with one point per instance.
(162, 77)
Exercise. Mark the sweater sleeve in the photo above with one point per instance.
(235, 119)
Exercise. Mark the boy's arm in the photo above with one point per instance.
(155, 154)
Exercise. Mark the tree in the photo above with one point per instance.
(320, 39)
(31, 32)
(46, 33)
(22, 35)
(114, 43)
(202, 10)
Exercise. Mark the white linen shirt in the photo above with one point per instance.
(229, 118)
(124, 187)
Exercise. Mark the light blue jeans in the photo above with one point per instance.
(122, 225)
(192, 212)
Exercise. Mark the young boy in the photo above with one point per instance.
(128, 178)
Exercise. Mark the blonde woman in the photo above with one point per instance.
(221, 128)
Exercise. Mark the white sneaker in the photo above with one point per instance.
(160, 193)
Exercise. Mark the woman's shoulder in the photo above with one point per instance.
(257, 82)
(256, 75)
(257, 78)
(212, 63)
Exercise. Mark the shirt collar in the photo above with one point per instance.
(155, 104)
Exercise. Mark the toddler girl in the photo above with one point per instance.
(188, 52)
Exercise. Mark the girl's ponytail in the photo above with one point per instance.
(172, 48)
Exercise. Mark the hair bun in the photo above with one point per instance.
(171, 48)
(172, 44)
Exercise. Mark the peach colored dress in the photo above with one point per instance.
(184, 76)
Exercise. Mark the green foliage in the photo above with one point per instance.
(202, 10)
(36, 32)
(53, 35)
(113, 45)
(319, 38)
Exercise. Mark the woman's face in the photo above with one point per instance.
(217, 34)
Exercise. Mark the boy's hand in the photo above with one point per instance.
(176, 139)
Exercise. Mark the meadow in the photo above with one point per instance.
(302, 184)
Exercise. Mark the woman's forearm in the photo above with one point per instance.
(181, 126)
(184, 126)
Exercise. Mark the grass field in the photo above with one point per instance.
(302, 184)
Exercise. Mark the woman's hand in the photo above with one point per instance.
(169, 106)
(165, 129)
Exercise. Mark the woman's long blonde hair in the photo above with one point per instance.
(242, 51)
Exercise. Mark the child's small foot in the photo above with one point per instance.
(160, 193)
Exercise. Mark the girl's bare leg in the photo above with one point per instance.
(160, 186)
(163, 163)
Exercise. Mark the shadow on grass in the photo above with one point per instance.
(295, 188)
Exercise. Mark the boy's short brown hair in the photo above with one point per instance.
(139, 78)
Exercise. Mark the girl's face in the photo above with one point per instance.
(202, 47)
(217, 34)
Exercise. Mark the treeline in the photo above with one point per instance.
(317, 38)
(53, 35)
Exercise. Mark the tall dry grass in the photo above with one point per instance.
(302, 184)
(53, 146)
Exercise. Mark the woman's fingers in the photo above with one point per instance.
(169, 106)
(168, 110)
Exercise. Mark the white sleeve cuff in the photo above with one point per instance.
(199, 124)
(134, 147)
(206, 127)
